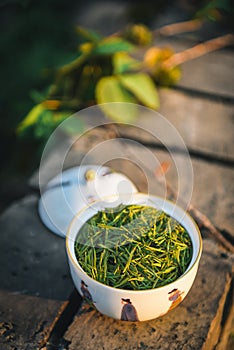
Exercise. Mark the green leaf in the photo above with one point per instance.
(42, 127)
(211, 9)
(48, 121)
(30, 119)
(142, 86)
(108, 90)
(37, 96)
(75, 64)
(122, 63)
(40, 122)
(111, 45)
(88, 34)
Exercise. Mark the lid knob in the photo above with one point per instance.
(90, 175)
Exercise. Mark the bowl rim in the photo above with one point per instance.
(77, 265)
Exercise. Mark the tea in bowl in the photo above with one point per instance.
(133, 259)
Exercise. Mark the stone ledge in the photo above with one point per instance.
(25, 320)
(195, 324)
(32, 259)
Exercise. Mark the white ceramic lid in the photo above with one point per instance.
(73, 189)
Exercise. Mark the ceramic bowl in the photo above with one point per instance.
(134, 305)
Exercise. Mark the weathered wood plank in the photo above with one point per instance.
(211, 73)
(212, 189)
(205, 126)
(213, 193)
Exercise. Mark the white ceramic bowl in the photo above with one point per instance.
(134, 305)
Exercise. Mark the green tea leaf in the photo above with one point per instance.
(142, 86)
(108, 90)
(111, 45)
(133, 247)
(122, 63)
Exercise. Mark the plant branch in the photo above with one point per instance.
(203, 221)
(181, 27)
(199, 50)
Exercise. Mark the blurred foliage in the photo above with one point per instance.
(105, 70)
(155, 58)
(71, 67)
(36, 37)
(215, 10)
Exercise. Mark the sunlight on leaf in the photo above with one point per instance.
(122, 63)
(109, 89)
(48, 121)
(111, 45)
(86, 47)
(142, 86)
(31, 118)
